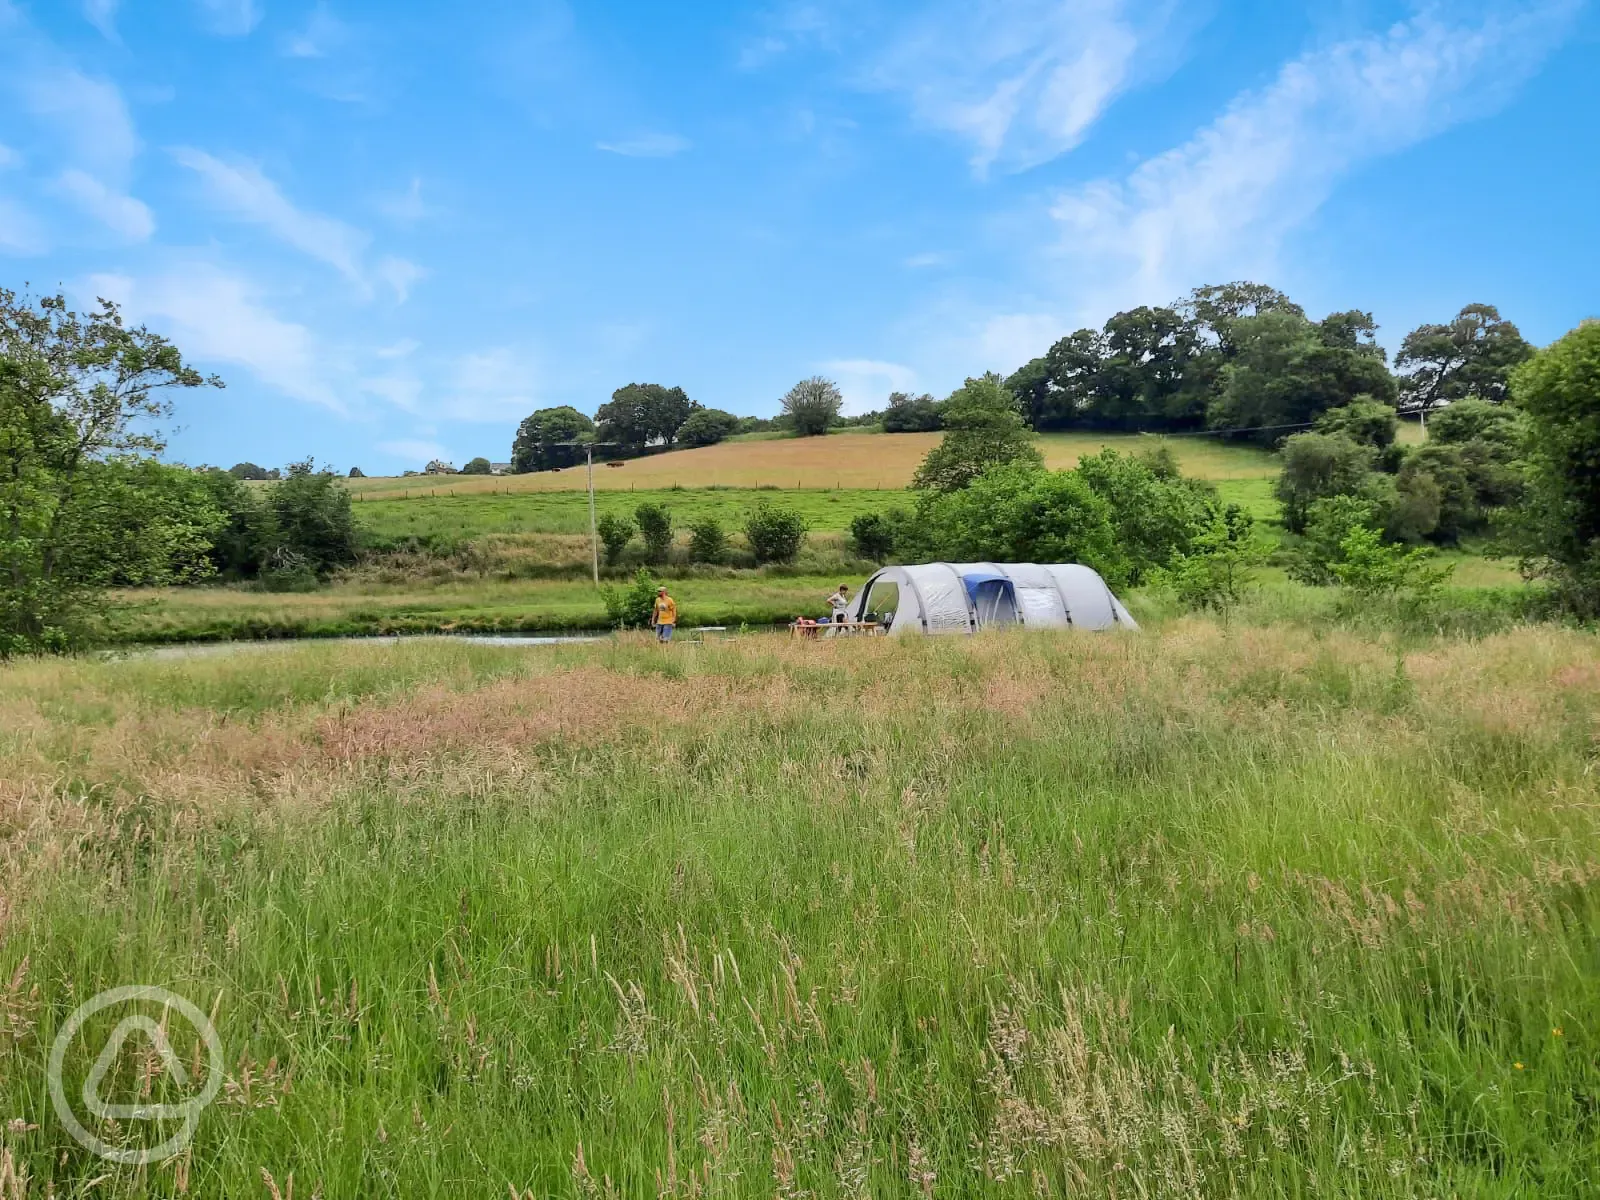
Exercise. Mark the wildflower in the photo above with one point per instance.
(1556, 1032)
(1518, 1066)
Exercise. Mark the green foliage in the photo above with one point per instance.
(83, 505)
(1155, 512)
(707, 427)
(1366, 422)
(313, 518)
(1287, 371)
(1020, 513)
(641, 413)
(1218, 567)
(1317, 466)
(1557, 528)
(477, 466)
(1474, 355)
(775, 533)
(983, 430)
(616, 531)
(812, 405)
(655, 529)
(631, 607)
(356, 473)
(248, 470)
(547, 439)
(1329, 521)
(1373, 569)
(872, 536)
(248, 532)
(912, 414)
(708, 541)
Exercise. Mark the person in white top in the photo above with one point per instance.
(839, 604)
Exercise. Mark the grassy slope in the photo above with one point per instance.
(1207, 912)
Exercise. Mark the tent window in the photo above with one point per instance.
(883, 601)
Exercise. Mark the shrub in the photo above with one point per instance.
(314, 519)
(655, 528)
(631, 607)
(357, 473)
(1328, 522)
(1155, 512)
(913, 414)
(983, 429)
(1218, 567)
(615, 531)
(477, 466)
(1373, 568)
(707, 427)
(812, 405)
(1315, 467)
(775, 533)
(872, 535)
(708, 542)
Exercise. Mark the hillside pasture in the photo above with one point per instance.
(848, 461)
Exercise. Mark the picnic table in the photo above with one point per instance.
(814, 629)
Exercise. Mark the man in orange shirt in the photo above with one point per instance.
(664, 615)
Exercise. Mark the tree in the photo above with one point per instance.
(655, 527)
(706, 427)
(872, 536)
(315, 521)
(615, 531)
(547, 439)
(1315, 467)
(1473, 355)
(1558, 526)
(477, 466)
(775, 533)
(812, 405)
(1219, 565)
(708, 541)
(631, 607)
(356, 473)
(982, 430)
(1286, 371)
(1366, 422)
(245, 538)
(247, 470)
(642, 413)
(1217, 309)
(80, 400)
(1156, 515)
(912, 414)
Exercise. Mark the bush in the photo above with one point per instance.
(477, 466)
(1315, 467)
(631, 607)
(615, 531)
(655, 528)
(1218, 567)
(1329, 522)
(708, 542)
(872, 535)
(314, 519)
(357, 473)
(913, 414)
(248, 470)
(983, 429)
(1374, 569)
(812, 405)
(775, 533)
(707, 427)
(1155, 511)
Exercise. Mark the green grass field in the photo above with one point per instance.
(1206, 911)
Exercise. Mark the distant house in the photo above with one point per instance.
(439, 467)
(500, 469)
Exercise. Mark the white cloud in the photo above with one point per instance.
(250, 196)
(918, 262)
(1021, 80)
(1220, 206)
(407, 207)
(216, 318)
(122, 214)
(647, 145)
(102, 14)
(1008, 340)
(866, 383)
(90, 116)
(495, 385)
(322, 34)
(401, 390)
(230, 18)
(416, 450)
(399, 275)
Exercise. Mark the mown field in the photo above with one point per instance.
(855, 461)
(1205, 911)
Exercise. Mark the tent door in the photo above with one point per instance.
(995, 602)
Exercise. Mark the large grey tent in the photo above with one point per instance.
(967, 597)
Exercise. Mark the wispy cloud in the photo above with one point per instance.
(407, 207)
(927, 259)
(230, 18)
(217, 318)
(399, 275)
(102, 14)
(121, 213)
(321, 35)
(781, 31)
(1022, 81)
(1221, 205)
(493, 385)
(647, 145)
(248, 195)
(866, 383)
(89, 115)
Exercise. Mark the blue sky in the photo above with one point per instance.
(397, 227)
